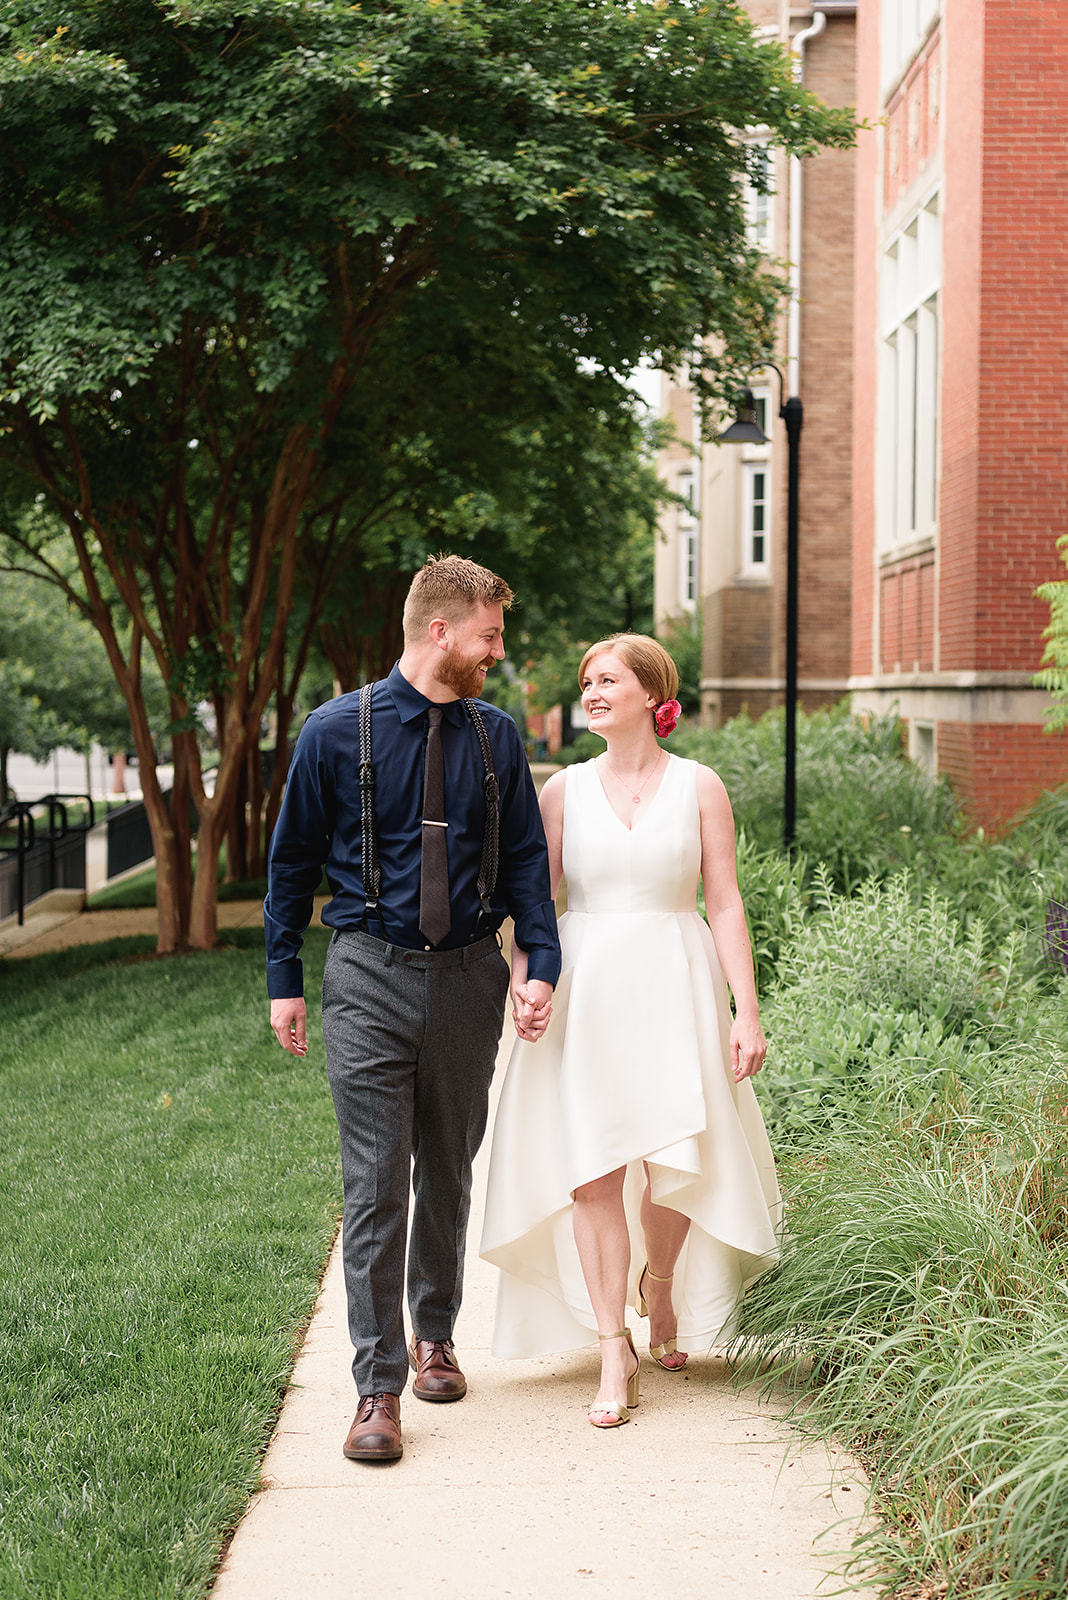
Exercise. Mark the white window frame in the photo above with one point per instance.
(909, 381)
(760, 207)
(924, 749)
(756, 458)
(688, 531)
(905, 24)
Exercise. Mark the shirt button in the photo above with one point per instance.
(426, 947)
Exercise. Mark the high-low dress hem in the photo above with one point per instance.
(633, 1072)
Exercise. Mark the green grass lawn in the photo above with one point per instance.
(168, 1192)
(140, 890)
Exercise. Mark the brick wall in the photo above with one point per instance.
(868, 217)
(998, 770)
(1022, 473)
(987, 97)
(826, 501)
(906, 608)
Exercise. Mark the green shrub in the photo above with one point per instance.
(861, 807)
(881, 949)
(772, 889)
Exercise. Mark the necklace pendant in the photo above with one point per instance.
(637, 799)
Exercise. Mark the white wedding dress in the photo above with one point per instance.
(634, 1066)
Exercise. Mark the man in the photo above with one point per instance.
(415, 983)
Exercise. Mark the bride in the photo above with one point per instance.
(629, 1157)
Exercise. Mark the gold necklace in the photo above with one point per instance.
(635, 797)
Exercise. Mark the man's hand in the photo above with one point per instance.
(289, 1021)
(532, 1006)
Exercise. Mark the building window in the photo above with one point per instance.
(758, 196)
(756, 496)
(923, 746)
(908, 380)
(905, 25)
(688, 526)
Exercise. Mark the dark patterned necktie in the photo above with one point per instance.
(434, 918)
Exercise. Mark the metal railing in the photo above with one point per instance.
(47, 851)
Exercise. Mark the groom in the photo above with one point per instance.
(415, 983)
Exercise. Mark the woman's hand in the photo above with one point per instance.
(532, 1006)
(748, 1047)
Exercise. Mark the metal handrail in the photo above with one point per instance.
(22, 812)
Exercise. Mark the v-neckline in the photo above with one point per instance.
(639, 819)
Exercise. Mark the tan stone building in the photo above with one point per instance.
(721, 560)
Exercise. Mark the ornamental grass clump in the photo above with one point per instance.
(920, 1311)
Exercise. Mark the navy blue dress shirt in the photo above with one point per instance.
(319, 824)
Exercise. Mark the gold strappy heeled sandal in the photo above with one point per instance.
(669, 1346)
(618, 1412)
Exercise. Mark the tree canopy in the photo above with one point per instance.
(248, 248)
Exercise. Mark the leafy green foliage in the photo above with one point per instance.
(869, 990)
(862, 808)
(56, 683)
(288, 289)
(1054, 677)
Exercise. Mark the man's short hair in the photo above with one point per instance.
(450, 587)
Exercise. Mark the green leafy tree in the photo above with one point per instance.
(222, 220)
(1054, 677)
(57, 689)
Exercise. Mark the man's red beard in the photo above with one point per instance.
(462, 677)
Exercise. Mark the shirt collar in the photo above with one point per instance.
(411, 704)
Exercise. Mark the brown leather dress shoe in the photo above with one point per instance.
(437, 1376)
(375, 1434)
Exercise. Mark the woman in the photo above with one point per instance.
(629, 1154)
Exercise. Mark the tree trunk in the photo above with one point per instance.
(254, 860)
(204, 911)
(237, 831)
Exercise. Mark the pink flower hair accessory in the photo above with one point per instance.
(667, 715)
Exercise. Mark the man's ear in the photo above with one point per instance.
(438, 629)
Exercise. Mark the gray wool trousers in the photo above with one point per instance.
(411, 1043)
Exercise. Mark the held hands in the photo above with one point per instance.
(748, 1047)
(289, 1021)
(532, 1005)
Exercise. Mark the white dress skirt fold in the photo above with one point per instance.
(633, 1068)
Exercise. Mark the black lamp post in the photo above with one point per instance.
(746, 430)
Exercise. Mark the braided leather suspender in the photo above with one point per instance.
(371, 869)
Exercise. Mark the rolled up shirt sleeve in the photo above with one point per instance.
(300, 845)
(524, 873)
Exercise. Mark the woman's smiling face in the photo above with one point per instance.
(612, 696)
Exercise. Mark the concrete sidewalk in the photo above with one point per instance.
(511, 1492)
(58, 927)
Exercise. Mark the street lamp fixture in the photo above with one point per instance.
(745, 429)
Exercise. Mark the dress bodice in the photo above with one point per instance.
(654, 866)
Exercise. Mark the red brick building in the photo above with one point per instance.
(960, 439)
